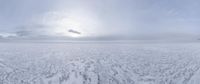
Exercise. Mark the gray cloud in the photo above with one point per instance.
(31, 30)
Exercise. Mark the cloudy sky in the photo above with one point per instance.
(131, 19)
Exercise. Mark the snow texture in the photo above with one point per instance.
(99, 63)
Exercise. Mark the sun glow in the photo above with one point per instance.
(71, 23)
(74, 35)
(79, 22)
(82, 21)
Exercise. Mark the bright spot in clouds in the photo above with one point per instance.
(80, 20)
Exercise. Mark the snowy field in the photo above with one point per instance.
(99, 63)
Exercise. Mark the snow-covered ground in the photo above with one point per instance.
(99, 63)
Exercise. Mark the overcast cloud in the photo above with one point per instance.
(130, 19)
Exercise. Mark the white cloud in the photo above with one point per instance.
(6, 35)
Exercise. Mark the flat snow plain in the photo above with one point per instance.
(99, 63)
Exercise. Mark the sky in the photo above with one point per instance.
(100, 19)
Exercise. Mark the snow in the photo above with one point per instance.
(99, 63)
